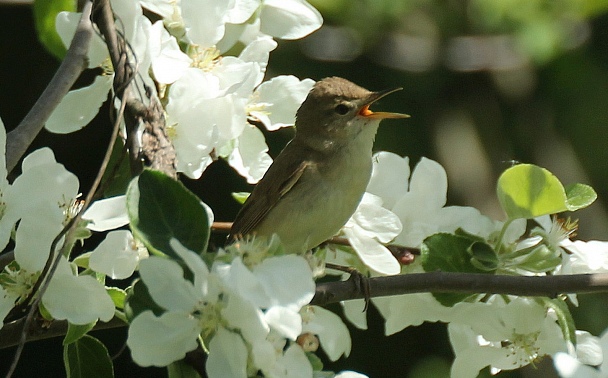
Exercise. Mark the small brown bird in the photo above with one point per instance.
(315, 184)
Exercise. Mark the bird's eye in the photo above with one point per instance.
(341, 109)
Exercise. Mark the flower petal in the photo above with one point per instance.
(227, 355)
(289, 19)
(107, 214)
(158, 341)
(116, 256)
(79, 107)
(333, 334)
(86, 302)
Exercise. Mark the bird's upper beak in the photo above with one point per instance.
(375, 96)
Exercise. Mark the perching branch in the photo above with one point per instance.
(440, 282)
(75, 61)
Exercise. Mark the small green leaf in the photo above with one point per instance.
(564, 318)
(483, 256)
(45, 13)
(139, 300)
(180, 369)
(448, 253)
(118, 296)
(87, 358)
(315, 361)
(76, 331)
(46, 315)
(529, 191)
(118, 175)
(161, 209)
(240, 197)
(82, 261)
(579, 196)
(539, 259)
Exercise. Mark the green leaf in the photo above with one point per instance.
(180, 369)
(117, 177)
(87, 358)
(45, 12)
(539, 259)
(118, 296)
(76, 331)
(82, 261)
(564, 318)
(483, 256)
(46, 315)
(579, 196)
(529, 191)
(315, 361)
(161, 208)
(139, 300)
(240, 197)
(448, 253)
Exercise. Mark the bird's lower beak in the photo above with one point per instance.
(375, 96)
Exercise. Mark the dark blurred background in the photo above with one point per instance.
(487, 83)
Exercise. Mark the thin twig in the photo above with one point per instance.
(49, 269)
(11, 332)
(75, 61)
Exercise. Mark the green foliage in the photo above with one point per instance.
(118, 296)
(161, 209)
(240, 197)
(118, 174)
(87, 358)
(76, 332)
(579, 196)
(564, 318)
(528, 191)
(45, 12)
(454, 253)
(180, 369)
(139, 300)
(315, 362)
(537, 259)
(483, 256)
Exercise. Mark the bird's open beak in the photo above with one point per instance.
(375, 96)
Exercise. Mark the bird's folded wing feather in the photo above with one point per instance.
(267, 194)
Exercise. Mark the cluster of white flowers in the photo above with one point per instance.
(41, 201)
(206, 62)
(249, 317)
(502, 332)
(209, 96)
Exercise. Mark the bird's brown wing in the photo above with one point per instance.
(268, 192)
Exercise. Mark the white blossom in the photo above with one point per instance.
(501, 335)
(577, 366)
(233, 307)
(107, 214)
(41, 199)
(369, 227)
(117, 255)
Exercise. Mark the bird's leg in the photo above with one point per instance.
(357, 278)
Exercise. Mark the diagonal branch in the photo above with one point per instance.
(75, 61)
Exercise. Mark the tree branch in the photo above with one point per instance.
(443, 282)
(154, 147)
(11, 332)
(332, 292)
(75, 61)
